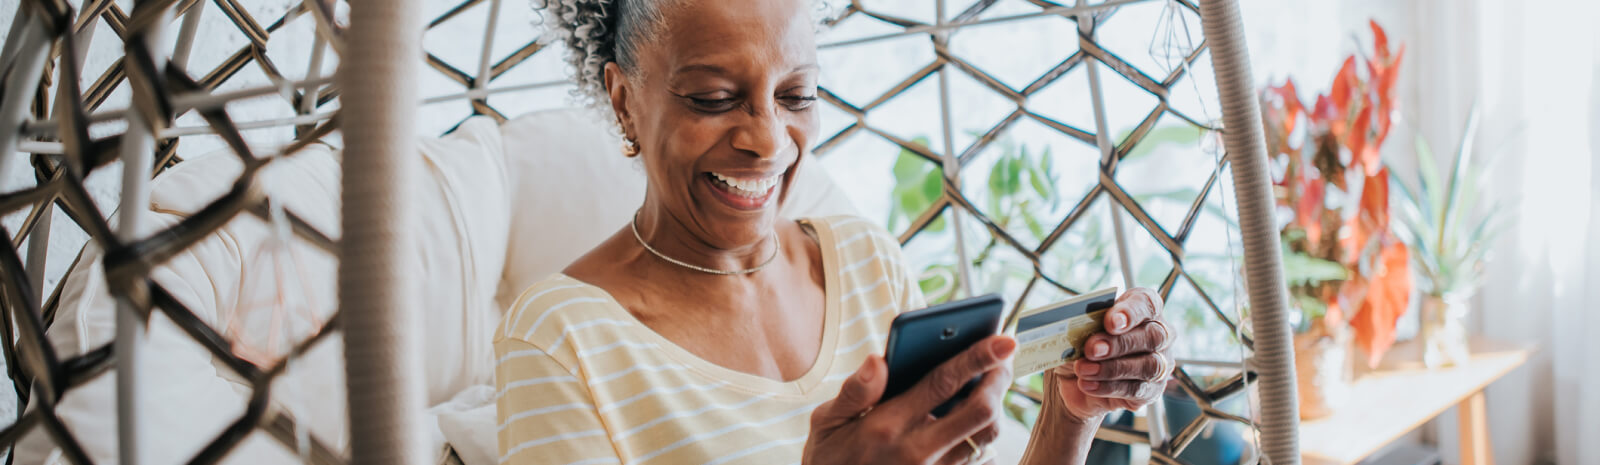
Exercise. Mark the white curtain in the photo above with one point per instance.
(1533, 68)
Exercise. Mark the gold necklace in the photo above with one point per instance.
(634, 225)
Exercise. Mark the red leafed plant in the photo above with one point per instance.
(1340, 254)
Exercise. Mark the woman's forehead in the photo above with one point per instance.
(730, 35)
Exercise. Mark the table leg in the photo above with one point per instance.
(1473, 429)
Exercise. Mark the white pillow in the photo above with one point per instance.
(190, 397)
(572, 188)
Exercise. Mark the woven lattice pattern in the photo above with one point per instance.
(1034, 101)
(57, 132)
(64, 129)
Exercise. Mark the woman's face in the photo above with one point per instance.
(722, 106)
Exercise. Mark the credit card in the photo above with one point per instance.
(1054, 334)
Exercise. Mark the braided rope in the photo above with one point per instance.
(378, 289)
(1274, 348)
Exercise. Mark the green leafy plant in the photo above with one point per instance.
(917, 185)
(1021, 186)
(1449, 239)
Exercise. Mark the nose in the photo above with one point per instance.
(763, 134)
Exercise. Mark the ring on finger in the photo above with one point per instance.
(1166, 366)
(977, 452)
(1166, 334)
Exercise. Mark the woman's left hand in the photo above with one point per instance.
(1125, 365)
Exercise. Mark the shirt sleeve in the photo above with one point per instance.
(546, 414)
(910, 291)
(907, 291)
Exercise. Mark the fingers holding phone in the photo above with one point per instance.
(857, 395)
(985, 362)
(855, 428)
(936, 398)
(948, 374)
(962, 434)
(969, 427)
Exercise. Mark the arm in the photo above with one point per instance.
(1059, 438)
(545, 413)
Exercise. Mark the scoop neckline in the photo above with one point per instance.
(798, 387)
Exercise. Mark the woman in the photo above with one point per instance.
(710, 330)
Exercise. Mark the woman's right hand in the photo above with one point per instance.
(854, 428)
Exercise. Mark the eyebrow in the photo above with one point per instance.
(714, 69)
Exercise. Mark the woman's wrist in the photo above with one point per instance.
(1060, 439)
(1059, 436)
(1061, 418)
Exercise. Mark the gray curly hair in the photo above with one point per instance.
(597, 32)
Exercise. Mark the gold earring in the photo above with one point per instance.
(630, 148)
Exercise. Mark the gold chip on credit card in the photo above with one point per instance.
(1054, 334)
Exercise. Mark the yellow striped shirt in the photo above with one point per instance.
(581, 381)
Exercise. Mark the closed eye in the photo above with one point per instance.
(717, 105)
(799, 102)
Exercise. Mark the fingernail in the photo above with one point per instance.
(1119, 321)
(1089, 385)
(864, 374)
(1088, 368)
(1099, 349)
(1003, 347)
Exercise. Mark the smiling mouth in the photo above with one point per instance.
(744, 193)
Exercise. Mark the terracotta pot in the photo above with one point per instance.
(1323, 371)
(1444, 330)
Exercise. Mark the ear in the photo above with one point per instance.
(617, 87)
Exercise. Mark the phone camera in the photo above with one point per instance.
(948, 333)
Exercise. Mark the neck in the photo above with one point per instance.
(684, 242)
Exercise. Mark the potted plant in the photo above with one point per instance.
(1449, 241)
(1348, 273)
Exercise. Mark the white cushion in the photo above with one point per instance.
(572, 188)
(470, 426)
(228, 276)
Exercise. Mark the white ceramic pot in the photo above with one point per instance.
(1444, 330)
(1323, 370)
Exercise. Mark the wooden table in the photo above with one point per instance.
(1398, 397)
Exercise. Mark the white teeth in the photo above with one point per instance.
(749, 187)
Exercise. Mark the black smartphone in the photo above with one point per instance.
(921, 340)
